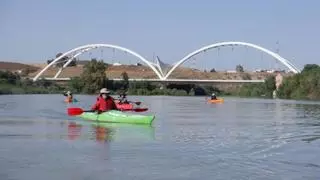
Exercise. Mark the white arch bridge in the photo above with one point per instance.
(160, 69)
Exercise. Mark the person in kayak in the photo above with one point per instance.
(213, 96)
(69, 96)
(123, 98)
(104, 102)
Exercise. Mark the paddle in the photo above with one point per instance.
(77, 111)
(136, 109)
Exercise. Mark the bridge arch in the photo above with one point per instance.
(282, 60)
(85, 48)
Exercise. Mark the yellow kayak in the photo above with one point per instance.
(220, 100)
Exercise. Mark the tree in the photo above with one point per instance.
(43, 83)
(9, 77)
(61, 61)
(73, 62)
(309, 67)
(26, 82)
(304, 85)
(76, 84)
(212, 70)
(93, 76)
(239, 68)
(59, 54)
(270, 83)
(125, 80)
(259, 89)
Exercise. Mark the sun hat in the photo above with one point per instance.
(104, 91)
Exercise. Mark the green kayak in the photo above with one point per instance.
(118, 117)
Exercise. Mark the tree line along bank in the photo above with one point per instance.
(305, 85)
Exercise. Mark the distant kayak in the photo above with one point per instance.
(118, 117)
(219, 100)
(129, 107)
(124, 106)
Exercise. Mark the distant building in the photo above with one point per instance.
(270, 71)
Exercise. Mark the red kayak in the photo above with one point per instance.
(129, 107)
(123, 106)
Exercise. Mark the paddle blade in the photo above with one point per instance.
(140, 109)
(74, 111)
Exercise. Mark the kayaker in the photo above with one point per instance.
(213, 96)
(104, 102)
(69, 96)
(123, 98)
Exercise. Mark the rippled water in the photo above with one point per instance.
(189, 139)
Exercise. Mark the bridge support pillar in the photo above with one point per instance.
(163, 85)
(274, 94)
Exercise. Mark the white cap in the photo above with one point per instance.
(104, 91)
(213, 94)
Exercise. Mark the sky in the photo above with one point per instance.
(35, 30)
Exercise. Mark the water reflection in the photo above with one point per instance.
(303, 110)
(74, 130)
(102, 134)
(304, 115)
(105, 132)
(312, 138)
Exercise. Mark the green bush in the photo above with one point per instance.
(305, 85)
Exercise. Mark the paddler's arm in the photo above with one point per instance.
(114, 106)
(95, 106)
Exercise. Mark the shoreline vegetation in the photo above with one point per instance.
(305, 85)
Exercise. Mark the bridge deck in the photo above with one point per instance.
(178, 80)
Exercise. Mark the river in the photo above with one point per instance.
(189, 139)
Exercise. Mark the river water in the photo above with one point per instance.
(189, 139)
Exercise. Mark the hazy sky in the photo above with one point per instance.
(35, 30)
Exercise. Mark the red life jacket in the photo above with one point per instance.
(104, 104)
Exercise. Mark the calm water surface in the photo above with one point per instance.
(189, 139)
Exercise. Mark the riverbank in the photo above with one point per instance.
(305, 85)
(12, 83)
